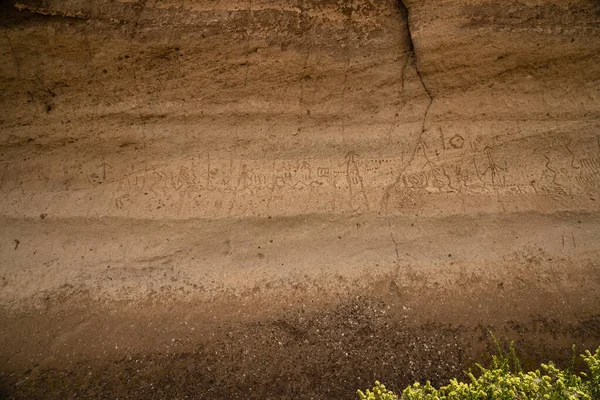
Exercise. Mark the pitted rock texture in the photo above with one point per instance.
(325, 191)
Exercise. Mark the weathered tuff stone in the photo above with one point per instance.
(277, 174)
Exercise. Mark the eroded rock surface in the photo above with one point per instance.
(292, 197)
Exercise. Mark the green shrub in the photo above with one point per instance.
(379, 392)
(505, 380)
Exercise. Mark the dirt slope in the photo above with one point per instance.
(291, 199)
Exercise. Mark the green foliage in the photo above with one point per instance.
(505, 380)
(593, 378)
(379, 393)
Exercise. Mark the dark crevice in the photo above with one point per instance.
(413, 53)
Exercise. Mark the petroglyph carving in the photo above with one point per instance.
(356, 187)
(306, 172)
(185, 179)
(121, 201)
(204, 185)
(589, 176)
(243, 179)
(417, 181)
(322, 171)
(100, 175)
(160, 183)
(457, 142)
(492, 171)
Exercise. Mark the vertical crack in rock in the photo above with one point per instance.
(411, 53)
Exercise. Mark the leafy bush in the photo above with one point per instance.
(505, 380)
(379, 393)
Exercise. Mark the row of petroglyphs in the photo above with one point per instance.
(218, 184)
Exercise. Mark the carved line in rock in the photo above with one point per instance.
(204, 185)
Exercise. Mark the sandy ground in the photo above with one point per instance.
(281, 199)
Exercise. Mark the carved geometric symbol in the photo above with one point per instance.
(322, 171)
(457, 142)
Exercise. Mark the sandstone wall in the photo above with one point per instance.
(265, 155)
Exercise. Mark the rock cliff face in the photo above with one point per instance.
(271, 197)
